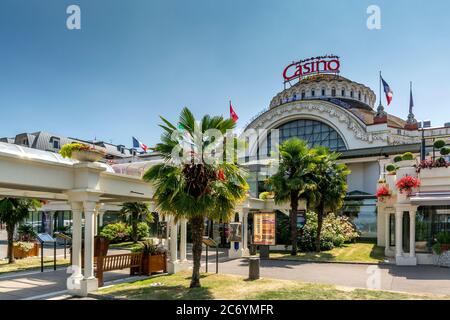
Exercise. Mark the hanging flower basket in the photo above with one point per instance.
(383, 193)
(407, 184)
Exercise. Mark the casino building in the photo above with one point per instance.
(327, 109)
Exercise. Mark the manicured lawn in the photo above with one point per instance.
(30, 264)
(129, 245)
(174, 287)
(366, 252)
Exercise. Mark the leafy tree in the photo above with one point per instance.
(293, 180)
(330, 179)
(13, 212)
(196, 188)
(138, 212)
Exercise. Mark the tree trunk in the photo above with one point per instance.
(319, 225)
(197, 237)
(293, 222)
(134, 227)
(10, 235)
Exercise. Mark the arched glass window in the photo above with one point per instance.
(359, 95)
(313, 93)
(343, 92)
(333, 92)
(323, 92)
(315, 133)
(303, 94)
(351, 94)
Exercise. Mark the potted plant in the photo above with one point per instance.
(83, 152)
(407, 160)
(25, 249)
(26, 233)
(382, 193)
(407, 184)
(154, 257)
(391, 169)
(442, 243)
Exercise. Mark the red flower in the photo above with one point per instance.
(407, 183)
(221, 175)
(383, 191)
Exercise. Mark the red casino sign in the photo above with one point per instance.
(310, 66)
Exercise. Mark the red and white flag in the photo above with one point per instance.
(233, 114)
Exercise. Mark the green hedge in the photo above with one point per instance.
(120, 232)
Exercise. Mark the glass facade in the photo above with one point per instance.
(430, 220)
(363, 214)
(315, 133)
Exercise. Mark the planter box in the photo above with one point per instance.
(435, 173)
(405, 163)
(87, 155)
(154, 263)
(21, 254)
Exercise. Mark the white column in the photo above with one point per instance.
(89, 282)
(183, 234)
(240, 252)
(398, 232)
(387, 241)
(77, 212)
(173, 241)
(245, 231)
(412, 233)
(74, 281)
(101, 213)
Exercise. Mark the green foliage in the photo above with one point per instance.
(67, 149)
(438, 144)
(445, 151)
(195, 189)
(391, 168)
(115, 232)
(266, 195)
(26, 232)
(142, 230)
(407, 156)
(437, 248)
(336, 231)
(148, 247)
(398, 158)
(443, 237)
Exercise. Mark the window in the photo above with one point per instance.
(333, 92)
(359, 95)
(323, 92)
(343, 92)
(315, 133)
(313, 93)
(430, 220)
(303, 95)
(351, 94)
(363, 213)
(55, 143)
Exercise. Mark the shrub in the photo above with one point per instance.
(67, 149)
(438, 144)
(391, 168)
(26, 232)
(336, 230)
(143, 230)
(445, 151)
(266, 195)
(115, 232)
(407, 156)
(398, 158)
(443, 237)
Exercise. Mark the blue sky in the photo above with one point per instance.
(134, 60)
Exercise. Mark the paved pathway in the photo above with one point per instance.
(420, 279)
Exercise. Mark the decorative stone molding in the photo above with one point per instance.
(319, 110)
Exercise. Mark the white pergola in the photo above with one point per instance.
(30, 173)
(90, 187)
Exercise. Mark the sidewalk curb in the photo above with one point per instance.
(333, 262)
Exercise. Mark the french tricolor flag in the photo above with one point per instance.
(388, 91)
(138, 144)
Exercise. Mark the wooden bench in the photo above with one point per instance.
(117, 262)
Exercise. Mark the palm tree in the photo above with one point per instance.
(195, 187)
(331, 186)
(13, 212)
(293, 180)
(138, 211)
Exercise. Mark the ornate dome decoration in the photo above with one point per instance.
(328, 87)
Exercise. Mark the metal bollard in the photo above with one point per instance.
(253, 268)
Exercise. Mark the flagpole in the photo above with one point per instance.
(380, 87)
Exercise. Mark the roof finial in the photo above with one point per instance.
(411, 119)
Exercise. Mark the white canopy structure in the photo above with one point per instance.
(30, 173)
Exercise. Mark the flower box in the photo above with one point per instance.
(87, 155)
(154, 263)
(442, 172)
(21, 253)
(405, 163)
